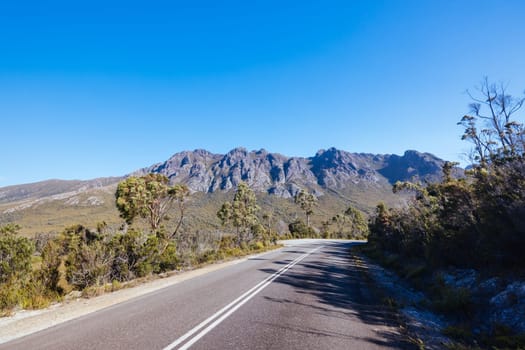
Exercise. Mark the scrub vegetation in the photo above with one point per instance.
(473, 222)
(35, 273)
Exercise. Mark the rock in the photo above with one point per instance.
(414, 165)
(509, 310)
(93, 200)
(490, 286)
(461, 278)
(512, 295)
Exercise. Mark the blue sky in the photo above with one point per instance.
(102, 88)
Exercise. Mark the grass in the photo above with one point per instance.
(54, 216)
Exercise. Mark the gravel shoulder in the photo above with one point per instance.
(422, 326)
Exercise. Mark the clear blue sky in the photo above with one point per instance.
(101, 88)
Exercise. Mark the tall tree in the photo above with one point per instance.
(150, 197)
(490, 125)
(181, 194)
(241, 213)
(307, 202)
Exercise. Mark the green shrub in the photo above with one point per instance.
(114, 286)
(15, 254)
(415, 271)
(168, 258)
(15, 267)
(453, 300)
(93, 291)
(35, 295)
(88, 265)
(257, 246)
(298, 229)
(207, 256)
(9, 298)
(50, 273)
(458, 332)
(227, 241)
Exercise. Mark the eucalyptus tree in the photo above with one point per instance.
(491, 124)
(241, 213)
(150, 197)
(307, 201)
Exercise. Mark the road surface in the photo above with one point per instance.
(309, 295)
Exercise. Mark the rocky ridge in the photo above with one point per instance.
(283, 176)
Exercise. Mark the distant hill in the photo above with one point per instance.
(338, 178)
(52, 189)
(50, 206)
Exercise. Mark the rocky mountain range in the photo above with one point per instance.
(283, 176)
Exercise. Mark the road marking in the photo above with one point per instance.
(226, 311)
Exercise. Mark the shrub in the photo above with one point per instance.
(257, 245)
(299, 229)
(50, 274)
(458, 332)
(15, 267)
(451, 300)
(15, 254)
(9, 297)
(168, 258)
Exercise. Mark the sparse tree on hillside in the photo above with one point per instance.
(241, 212)
(307, 202)
(150, 197)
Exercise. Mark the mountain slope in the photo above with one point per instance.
(50, 188)
(50, 206)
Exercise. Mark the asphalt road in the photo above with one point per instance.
(306, 296)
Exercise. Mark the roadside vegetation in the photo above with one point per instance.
(37, 272)
(476, 221)
(349, 224)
